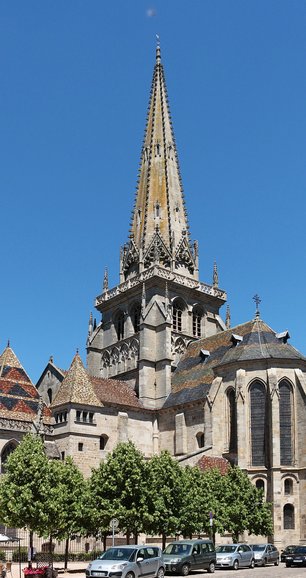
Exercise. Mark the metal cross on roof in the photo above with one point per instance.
(257, 300)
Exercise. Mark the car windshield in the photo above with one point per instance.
(258, 547)
(226, 548)
(178, 549)
(118, 554)
(300, 550)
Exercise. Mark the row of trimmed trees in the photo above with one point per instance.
(155, 496)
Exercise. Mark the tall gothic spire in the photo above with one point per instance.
(159, 227)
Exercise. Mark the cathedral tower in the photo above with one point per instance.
(160, 305)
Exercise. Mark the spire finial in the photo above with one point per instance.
(215, 275)
(257, 300)
(90, 324)
(228, 317)
(8, 343)
(157, 49)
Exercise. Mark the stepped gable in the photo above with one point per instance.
(19, 398)
(76, 386)
(196, 373)
(113, 391)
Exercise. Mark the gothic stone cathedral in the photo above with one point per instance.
(163, 369)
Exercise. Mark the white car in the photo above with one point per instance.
(128, 562)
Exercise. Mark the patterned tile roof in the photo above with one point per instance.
(76, 386)
(19, 398)
(195, 372)
(210, 462)
(80, 387)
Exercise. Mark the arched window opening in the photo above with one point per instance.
(232, 421)
(201, 439)
(177, 316)
(135, 316)
(289, 523)
(49, 392)
(103, 441)
(260, 485)
(258, 423)
(119, 325)
(285, 420)
(7, 450)
(288, 487)
(197, 315)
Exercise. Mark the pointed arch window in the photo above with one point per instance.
(119, 325)
(197, 316)
(7, 450)
(258, 423)
(285, 421)
(289, 522)
(49, 392)
(232, 421)
(177, 316)
(135, 316)
(201, 439)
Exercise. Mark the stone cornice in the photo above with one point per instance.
(162, 273)
(22, 426)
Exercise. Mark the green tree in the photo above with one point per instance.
(119, 489)
(192, 508)
(244, 506)
(100, 509)
(25, 487)
(165, 496)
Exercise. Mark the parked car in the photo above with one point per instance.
(185, 555)
(288, 550)
(297, 558)
(234, 556)
(128, 562)
(265, 554)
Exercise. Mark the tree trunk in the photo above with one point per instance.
(136, 537)
(164, 537)
(30, 549)
(128, 537)
(66, 554)
(51, 551)
(104, 541)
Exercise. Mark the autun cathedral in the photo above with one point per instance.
(163, 368)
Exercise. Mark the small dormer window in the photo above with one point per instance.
(236, 339)
(284, 336)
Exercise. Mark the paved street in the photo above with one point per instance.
(77, 570)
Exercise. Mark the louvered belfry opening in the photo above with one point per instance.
(285, 423)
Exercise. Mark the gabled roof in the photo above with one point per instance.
(19, 398)
(76, 386)
(197, 372)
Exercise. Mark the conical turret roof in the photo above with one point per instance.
(159, 228)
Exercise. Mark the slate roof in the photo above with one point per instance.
(19, 398)
(194, 374)
(113, 391)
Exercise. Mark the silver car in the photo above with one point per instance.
(265, 554)
(128, 562)
(234, 556)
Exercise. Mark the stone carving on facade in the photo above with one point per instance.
(120, 359)
(157, 252)
(130, 255)
(183, 255)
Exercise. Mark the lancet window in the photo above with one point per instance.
(232, 421)
(135, 316)
(197, 315)
(288, 514)
(258, 423)
(177, 316)
(119, 325)
(285, 421)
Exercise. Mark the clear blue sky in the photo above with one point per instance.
(75, 81)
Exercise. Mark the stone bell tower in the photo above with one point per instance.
(159, 305)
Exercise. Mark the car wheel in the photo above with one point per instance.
(185, 570)
(264, 562)
(236, 565)
(211, 567)
(276, 563)
(160, 573)
(129, 575)
(252, 565)
(288, 565)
